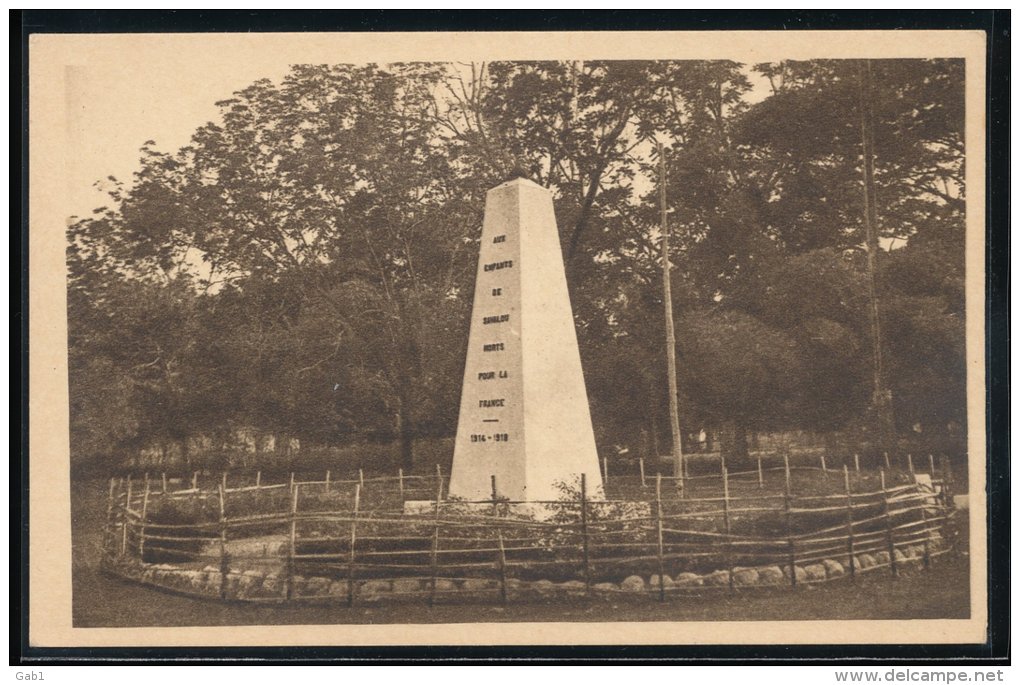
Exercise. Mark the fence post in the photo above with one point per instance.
(910, 463)
(288, 583)
(224, 561)
(584, 534)
(327, 480)
(947, 479)
(502, 566)
(849, 522)
(684, 476)
(108, 530)
(164, 482)
(786, 470)
(924, 524)
(825, 469)
(658, 525)
(679, 482)
(641, 465)
(141, 529)
(888, 525)
(931, 467)
(726, 524)
(439, 477)
(258, 479)
(885, 456)
(224, 480)
(435, 542)
(354, 538)
(361, 478)
(400, 482)
(292, 481)
(857, 462)
(501, 559)
(194, 481)
(126, 518)
(788, 506)
(761, 474)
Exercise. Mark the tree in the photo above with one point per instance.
(330, 195)
(304, 266)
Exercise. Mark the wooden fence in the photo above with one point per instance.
(348, 534)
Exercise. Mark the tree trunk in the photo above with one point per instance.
(405, 429)
(881, 399)
(667, 297)
(653, 421)
(281, 447)
(733, 443)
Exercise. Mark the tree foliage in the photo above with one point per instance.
(304, 266)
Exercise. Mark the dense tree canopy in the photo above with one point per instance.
(304, 267)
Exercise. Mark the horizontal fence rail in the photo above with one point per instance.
(355, 539)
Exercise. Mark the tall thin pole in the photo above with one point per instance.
(881, 398)
(667, 296)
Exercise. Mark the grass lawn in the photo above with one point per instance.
(99, 600)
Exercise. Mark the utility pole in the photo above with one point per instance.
(881, 399)
(667, 296)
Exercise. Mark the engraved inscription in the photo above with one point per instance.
(499, 239)
(495, 266)
(498, 318)
(492, 347)
(495, 437)
(498, 402)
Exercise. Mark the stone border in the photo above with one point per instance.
(255, 586)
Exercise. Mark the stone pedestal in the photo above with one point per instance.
(524, 414)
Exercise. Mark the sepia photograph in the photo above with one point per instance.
(508, 338)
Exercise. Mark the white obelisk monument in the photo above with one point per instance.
(524, 414)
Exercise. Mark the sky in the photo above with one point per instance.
(113, 108)
(115, 104)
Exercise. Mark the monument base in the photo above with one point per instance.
(526, 511)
